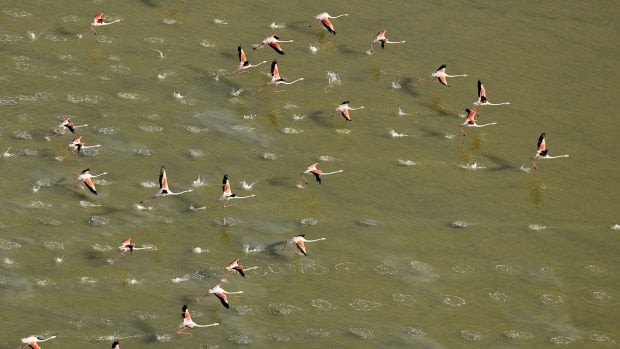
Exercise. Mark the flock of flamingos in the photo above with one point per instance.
(76, 147)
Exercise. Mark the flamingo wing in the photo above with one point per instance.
(226, 186)
(275, 73)
(240, 270)
(328, 25)
(90, 185)
(276, 46)
(223, 299)
(481, 91)
(163, 179)
(243, 61)
(442, 80)
(317, 175)
(301, 247)
(99, 17)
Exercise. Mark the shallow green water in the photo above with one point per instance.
(431, 255)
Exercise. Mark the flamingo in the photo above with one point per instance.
(189, 323)
(299, 242)
(324, 18)
(98, 21)
(471, 120)
(116, 345)
(441, 75)
(543, 152)
(227, 194)
(85, 177)
(274, 42)
(127, 245)
(65, 125)
(243, 61)
(482, 97)
(221, 293)
(163, 187)
(276, 79)
(344, 108)
(32, 341)
(316, 172)
(383, 40)
(234, 265)
(76, 146)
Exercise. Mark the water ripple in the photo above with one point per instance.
(283, 309)
(16, 12)
(364, 305)
(362, 332)
(317, 332)
(322, 304)
(8, 244)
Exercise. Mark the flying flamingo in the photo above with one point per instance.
(227, 194)
(127, 246)
(98, 21)
(543, 152)
(482, 97)
(221, 293)
(274, 42)
(243, 61)
(65, 125)
(316, 172)
(441, 75)
(163, 187)
(76, 146)
(471, 120)
(344, 108)
(299, 242)
(234, 265)
(85, 177)
(116, 345)
(277, 80)
(324, 18)
(189, 323)
(383, 40)
(33, 340)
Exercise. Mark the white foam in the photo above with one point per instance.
(406, 162)
(199, 250)
(313, 49)
(275, 25)
(472, 166)
(219, 21)
(395, 134)
(290, 130)
(333, 78)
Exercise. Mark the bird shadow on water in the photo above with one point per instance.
(320, 118)
(150, 334)
(502, 164)
(406, 86)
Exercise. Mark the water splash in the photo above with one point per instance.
(275, 25)
(333, 78)
(406, 162)
(472, 166)
(313, 49)
(199, 250)
(395, 134)
(219, 21)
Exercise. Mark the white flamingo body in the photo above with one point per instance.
(382, 38)
(441, 75)
(324, 18)
(86, 178)
(164, 190)
(299, 242)
(189, 323)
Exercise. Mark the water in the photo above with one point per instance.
(434, 240)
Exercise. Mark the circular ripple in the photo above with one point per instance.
(596, 270)
(314, 269)
(8, 244)
(519, 335)
(507, 268)
(551, 299)
(562, 340)
(599, 297)
(308, 221)
(241, 339)
(499, 297)
(322, 304)
(599, 337)
(362, 332)
(283, 309)
(347, 267)
(453, 300)
(227, 221)
(463, 268)
(317, 332)
(364, 305)
(386, 269)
